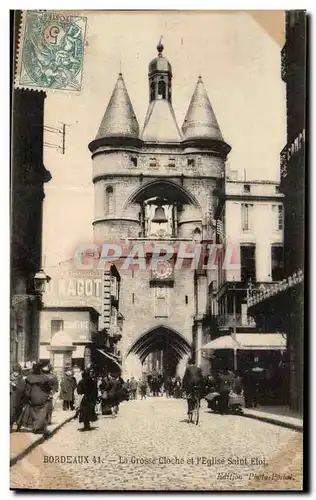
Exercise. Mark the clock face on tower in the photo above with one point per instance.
(163, 270)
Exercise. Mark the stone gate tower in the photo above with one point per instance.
(154, 186)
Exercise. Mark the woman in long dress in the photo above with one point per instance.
(88, 388)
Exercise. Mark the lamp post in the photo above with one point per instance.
(40, 280)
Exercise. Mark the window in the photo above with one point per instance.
(248, 263)
(113, 319)
(277, 263)
(186, 300)
(109, 200)
(278, 216)
(245, 219)
(161, 90)
(133, 298)
(153, 162)
(134, 161)
(161, 302)
(190, 162)
(172, 162)
(56, 325)
(277, 189)
(246, 188)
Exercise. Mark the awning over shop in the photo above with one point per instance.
(111, 357)
(249, 341)
(262, 341)
(224, 342)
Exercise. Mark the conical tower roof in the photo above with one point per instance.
(119, 119)
(200, 121)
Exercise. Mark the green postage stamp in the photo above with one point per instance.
(51, 51)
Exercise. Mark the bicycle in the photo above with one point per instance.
(194, 406)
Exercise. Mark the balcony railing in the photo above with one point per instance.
(256, 296)
(289, 151)
(231, 320)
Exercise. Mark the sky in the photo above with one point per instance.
(239, 62)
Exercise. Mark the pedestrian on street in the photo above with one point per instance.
(114, 394)
(17, 394)
(225, 380)
(38, 387)
(88, 388)
(133, 386)
(104, 388)
(192, 382)
(143, 389)
(67, 390)
(48, 370)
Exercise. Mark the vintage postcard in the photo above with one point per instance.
(157, 250)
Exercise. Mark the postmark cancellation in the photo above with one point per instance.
(51, 51)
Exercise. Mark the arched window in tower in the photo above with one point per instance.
(109, 200)
(152, 91)
(161, 90)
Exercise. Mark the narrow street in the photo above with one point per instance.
(150, 446)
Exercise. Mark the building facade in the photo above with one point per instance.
(154, 186)
(85, 305)
(283, 307)
(78, 324)
(28, 176)
(250, 222)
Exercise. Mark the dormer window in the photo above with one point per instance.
(153, 162)
(247, 188)
(191, 162)
(172, 162)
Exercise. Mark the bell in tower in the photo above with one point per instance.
(160, 216)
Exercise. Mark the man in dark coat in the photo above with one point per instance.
(192, 381)
(67, 390)
(48, 370)
(17, 394)
(225, 380)
(37, 390)
(115, 392)
(88, 388)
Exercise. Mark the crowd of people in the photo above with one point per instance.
(35, 391)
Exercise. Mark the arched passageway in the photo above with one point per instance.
(172, 346)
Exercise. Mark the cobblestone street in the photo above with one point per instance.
(150, 446)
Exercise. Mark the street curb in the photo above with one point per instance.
(275, 421)
(39, 441)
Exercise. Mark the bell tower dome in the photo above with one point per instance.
(160, 109)
(160, 76)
